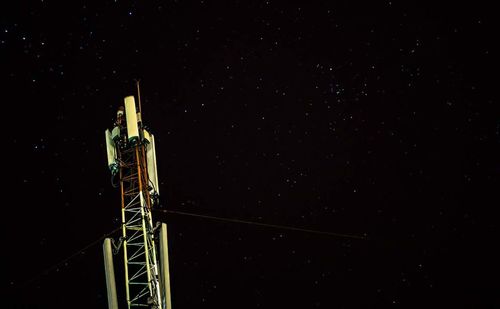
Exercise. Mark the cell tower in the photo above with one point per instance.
(132, 159)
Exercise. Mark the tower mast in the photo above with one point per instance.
(131, 157)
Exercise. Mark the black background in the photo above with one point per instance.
(373, 119)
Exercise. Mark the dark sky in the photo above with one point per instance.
(374, 119)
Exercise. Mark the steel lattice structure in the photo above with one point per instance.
(141, 267)
(132, 158)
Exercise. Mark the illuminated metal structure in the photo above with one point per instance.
(131, 157)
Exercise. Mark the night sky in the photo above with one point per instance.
(369, 118)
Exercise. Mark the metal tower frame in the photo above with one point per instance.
(139, 252)
(131, 157)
